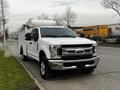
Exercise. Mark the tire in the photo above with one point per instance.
(45, 71)
(88, 70)
(118, 41)
(24, 58)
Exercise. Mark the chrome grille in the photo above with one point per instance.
(71, 52)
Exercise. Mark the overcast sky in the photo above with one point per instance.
(89, 12)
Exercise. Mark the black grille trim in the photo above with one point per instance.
(76, 57)
(78, 45)
(59, 51)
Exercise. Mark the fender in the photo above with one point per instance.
(45, 49)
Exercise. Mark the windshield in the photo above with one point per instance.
(57, 32)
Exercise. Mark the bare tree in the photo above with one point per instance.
(43, 16)
(112, 4)
(58, 19)
(69, 16)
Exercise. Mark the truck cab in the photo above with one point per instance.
(58, 48)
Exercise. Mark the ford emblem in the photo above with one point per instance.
(80, 51)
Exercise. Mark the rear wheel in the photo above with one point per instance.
(24, 58)
(44, 68)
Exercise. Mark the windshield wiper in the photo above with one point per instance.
(59, 36)
(50, 36)
(68, 36)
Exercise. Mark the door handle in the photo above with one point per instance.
(30, 42)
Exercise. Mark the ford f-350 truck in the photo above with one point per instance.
(56, 48)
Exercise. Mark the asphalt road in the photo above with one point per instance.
(105, 77)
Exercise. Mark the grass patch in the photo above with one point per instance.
(13, 76)
(109, 45)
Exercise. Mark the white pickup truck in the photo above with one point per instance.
(57, 48)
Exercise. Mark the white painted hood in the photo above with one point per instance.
(66, 41)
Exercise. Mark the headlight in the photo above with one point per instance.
(54, 51)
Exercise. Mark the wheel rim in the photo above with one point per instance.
(23, 56)
(42, 68)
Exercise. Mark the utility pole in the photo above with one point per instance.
(3, 24)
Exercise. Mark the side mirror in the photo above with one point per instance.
(35, 38)
(28, 36)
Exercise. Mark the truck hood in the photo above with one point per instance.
(64, 41)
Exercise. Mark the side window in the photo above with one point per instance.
(35, 34)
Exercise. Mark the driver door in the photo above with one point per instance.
(35, 34)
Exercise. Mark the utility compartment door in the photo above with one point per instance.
(29, 48)
(29, 43)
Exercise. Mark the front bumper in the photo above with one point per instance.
(73, 64)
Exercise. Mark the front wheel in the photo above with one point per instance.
(44, 69)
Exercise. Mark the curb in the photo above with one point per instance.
(30, 74)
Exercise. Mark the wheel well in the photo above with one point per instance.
(41, 53)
